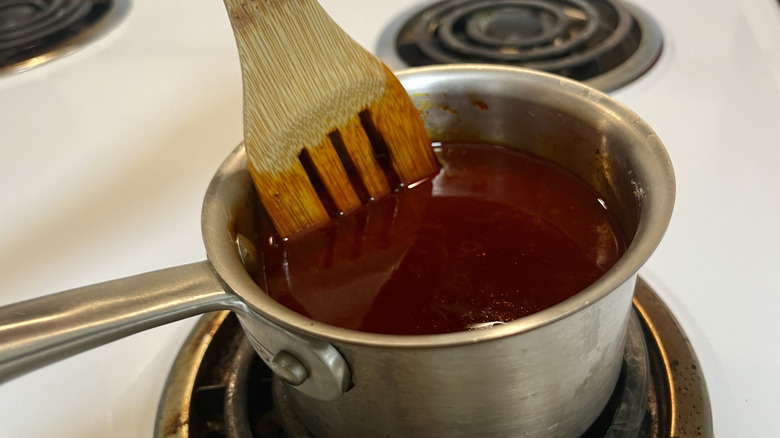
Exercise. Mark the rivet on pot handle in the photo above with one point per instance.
(288, 368)
(314, 367)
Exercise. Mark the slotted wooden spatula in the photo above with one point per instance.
(313, 97)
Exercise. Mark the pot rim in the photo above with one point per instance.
(232, 179)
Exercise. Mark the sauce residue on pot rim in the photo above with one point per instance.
(496, 235)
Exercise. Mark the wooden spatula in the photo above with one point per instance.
(314, 100)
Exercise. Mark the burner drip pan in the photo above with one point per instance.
(219, 388)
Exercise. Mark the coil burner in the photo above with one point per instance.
(219, 388)
(33, 32)
(605, 43)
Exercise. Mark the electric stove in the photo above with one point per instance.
(107, 150)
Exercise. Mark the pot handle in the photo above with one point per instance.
(41, 331)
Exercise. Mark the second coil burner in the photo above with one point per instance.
(605, 43)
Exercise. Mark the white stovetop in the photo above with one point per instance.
(105, 157)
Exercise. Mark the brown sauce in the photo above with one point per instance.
(495, 236)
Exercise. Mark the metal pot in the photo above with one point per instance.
(548, 374)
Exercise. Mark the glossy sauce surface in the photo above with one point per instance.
(495, 236)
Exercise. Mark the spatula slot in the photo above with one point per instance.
(381, 152)
(349, 166)
(314, 178)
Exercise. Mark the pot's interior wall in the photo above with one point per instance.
(250, 220)
(594, 150)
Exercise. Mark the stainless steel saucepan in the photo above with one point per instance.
(548, 374)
